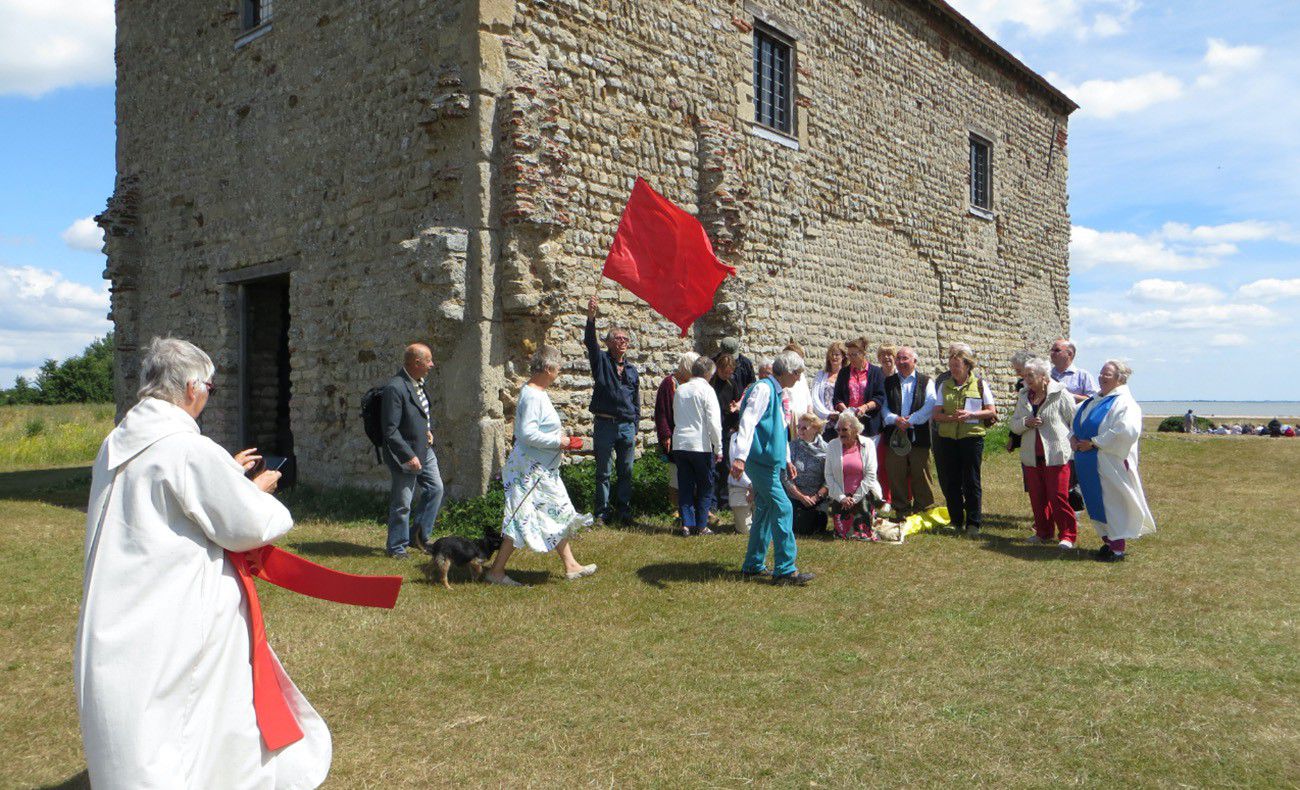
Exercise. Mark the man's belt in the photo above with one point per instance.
(275, 720)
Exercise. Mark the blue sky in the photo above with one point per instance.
(1184, 182)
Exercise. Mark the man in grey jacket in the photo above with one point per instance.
(408, 453)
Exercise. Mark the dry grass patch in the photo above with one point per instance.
(940, 662)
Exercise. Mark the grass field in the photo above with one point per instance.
(52, 436)
(943, 661)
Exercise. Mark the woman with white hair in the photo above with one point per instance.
(538, 512)
(697, 446)
(161, 666)
(762, 451)
(664, 416)
(1107, 427)
(851, 483)
(1043, 415)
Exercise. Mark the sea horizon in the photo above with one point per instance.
(1222, 408)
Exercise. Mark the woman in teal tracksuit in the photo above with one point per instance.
(762, 452)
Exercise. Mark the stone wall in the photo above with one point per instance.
(337, 146)
(864, 229)
(453, 171)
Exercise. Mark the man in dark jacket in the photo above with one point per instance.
(408, 453)
(909, 400)
(616, 408)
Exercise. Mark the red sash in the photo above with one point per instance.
(275, 720)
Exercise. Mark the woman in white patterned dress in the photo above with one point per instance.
(538, 513)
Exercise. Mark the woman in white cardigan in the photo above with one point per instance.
(697, 446)
(1043, 415)
(851, 484)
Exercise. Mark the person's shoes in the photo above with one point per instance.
(1104, 552)
(585, 570)
(1066, 544)
(762, 573)
(1034, 540)
(705, 531)
(795, 579)
(686, 532)
(504, 581)
(399, 554)
(1113, 556)
(973, 532)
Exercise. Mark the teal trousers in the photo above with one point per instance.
(773, 522)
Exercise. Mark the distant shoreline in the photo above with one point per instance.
(1224, 409)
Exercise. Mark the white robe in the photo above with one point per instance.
(162, 667)
(1127, 514)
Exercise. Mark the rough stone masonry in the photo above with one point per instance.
(305, 198)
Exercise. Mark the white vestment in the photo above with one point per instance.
(1127, 514)
(162, 667)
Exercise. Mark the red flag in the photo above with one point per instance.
(662, 254)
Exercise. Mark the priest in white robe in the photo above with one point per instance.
(1107, 427)
(162, 660)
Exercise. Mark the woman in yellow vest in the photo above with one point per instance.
(966, 407)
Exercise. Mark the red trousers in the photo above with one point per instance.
(1049, 498)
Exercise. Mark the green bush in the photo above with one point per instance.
(33, 428)
(85, 378)
(995, 439)
(469, 517)
(649, 484)
(1174, 424)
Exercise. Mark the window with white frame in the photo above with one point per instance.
(254, 13)
(981, 173)
(773, 80)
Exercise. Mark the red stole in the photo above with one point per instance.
(275, 720)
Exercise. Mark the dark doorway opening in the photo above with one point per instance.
(264, 365)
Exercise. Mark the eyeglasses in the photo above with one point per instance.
(619, 340)
(211, 387)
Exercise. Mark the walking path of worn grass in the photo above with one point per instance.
(940, 662)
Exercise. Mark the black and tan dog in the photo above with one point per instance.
(455, 550)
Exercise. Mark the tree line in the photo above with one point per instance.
(85, 378)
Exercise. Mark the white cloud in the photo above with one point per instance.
(1090, 248)
(44, 316)
(1221, 55)
(1248, 230)
(84, 234)
(1174, 292)
(37, 299)
(1175, 247)
(1112, 98)
(1082, 18)
(1228, 340)
(1109, 341)
(46, 45)
(1270, 289)
(1179, 319)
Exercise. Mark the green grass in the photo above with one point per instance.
(941, 662)
(39, 437)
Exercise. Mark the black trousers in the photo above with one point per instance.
(958, 463)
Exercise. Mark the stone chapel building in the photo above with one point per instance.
(304, 187)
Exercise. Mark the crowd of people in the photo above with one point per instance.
(172, 516)
(1274, 427)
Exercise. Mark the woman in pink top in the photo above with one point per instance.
(851, 484)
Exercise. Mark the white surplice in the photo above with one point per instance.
(163, 679)
(1127, 514)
